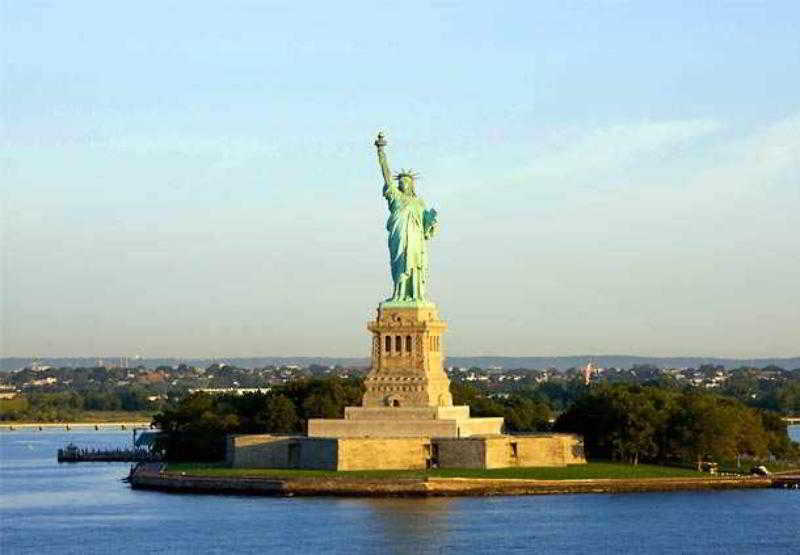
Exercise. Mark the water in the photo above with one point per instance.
(84, 508)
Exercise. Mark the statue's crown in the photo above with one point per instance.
(407, 173)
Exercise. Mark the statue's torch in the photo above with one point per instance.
(380, 142)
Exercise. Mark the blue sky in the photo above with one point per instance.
(198, 178)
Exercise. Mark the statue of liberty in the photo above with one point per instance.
(410, 225)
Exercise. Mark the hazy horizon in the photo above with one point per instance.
(587, 356)
(200, 178)
(560, 363)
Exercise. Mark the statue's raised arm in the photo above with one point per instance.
(380, 142)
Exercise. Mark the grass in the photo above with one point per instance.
(594, 470)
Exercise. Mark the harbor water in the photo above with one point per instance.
(46, 507)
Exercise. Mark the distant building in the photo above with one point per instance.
(229, 390)
(44, 381)
(587, 372)
(36, 366)
(7, 392)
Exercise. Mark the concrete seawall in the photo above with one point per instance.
(426, 487)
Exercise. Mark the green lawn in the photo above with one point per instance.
(595, 470)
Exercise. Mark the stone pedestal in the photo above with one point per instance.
(407, 358)
(407, 390)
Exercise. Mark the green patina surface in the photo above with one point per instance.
(407, 304)
(410, 226)
(596, 470)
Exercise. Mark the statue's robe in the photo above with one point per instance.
(408, 252)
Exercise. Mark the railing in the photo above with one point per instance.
(72, 453)
(42, 426)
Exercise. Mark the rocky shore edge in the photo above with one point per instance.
(152, 479)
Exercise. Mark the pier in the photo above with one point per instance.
(786, 481)
(72, 453)
(68, 426)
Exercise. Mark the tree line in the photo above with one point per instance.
(618, 421)
(655, 424)
(65, 406)
(195, 428)
(197, 425)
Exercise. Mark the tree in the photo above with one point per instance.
(778, 442)
(281, 415)
(195, 426)
(525, 415)
(700, 429)
(624, 422)
(789, 399)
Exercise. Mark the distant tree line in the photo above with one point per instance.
(522, 413)
(776, 395)
(772, 388)
(65, 406)
(112, 389)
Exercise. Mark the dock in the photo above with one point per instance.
(72, 454)
(786, 482)
(68, 426)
